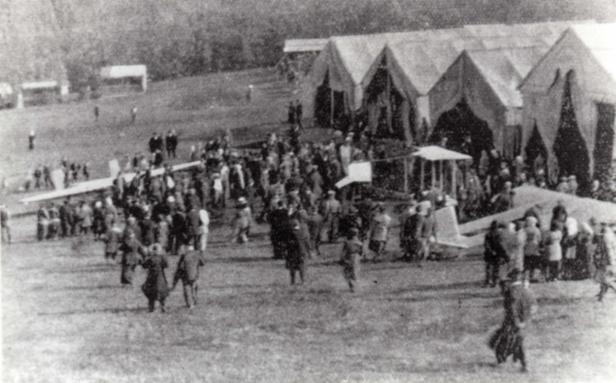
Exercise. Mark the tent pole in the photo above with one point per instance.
(433, 175)
(421, 180)
(442, 178)
(388, 91)
(453, 180)
(406, 175)
(331, 107)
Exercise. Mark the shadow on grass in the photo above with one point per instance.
(85, 288)
(439, 287)
(80, 270)
(110, 310)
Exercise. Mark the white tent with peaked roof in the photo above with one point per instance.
(585, 57)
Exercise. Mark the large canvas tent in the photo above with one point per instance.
(347, 66)
(483, 84)
(342, 65)
(569, 101)
(409, 69)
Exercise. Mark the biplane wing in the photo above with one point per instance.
(99, 184)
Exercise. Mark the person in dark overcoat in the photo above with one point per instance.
(187, 271)
(155, 286)
(298, 250)
(132, 255)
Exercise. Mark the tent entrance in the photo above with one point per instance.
(329, 107)
(322, 103)
(536, 152)
(460, 124)
(604, 142)
(384, 105)
(569, 145)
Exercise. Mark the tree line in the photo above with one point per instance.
(191, 37)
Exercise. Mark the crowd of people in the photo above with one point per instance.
(290, 184)
(563, 248)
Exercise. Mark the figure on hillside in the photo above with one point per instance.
(31, 138)
(171, 143)
(96, 113)
(133, 115)
(299, 113)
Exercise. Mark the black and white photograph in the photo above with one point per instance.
(308, 191)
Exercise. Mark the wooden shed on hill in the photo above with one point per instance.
(124, 78)
(569, 104)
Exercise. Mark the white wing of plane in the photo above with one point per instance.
(99, 184)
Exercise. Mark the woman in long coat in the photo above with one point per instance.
(132, 252)
(351, 257)
(155, 286)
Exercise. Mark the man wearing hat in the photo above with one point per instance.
(242, 221)
(155, 286)
(413, 228)
(188, 272)
(563, 185)
(331, 210)
(519, 304)
(379, 229)
(573, 185)
(350, 258)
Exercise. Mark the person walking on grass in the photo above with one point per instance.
(350, 258)
(519, 305)
(132, 255)
(187, 271)
(604, 257)
(379, 230)
(298, 251)
(155, 286)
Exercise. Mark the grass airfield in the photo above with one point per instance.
(66, 318)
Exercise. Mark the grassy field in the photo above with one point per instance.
(65, 317)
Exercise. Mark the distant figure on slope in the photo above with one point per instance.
(96, 113)
(31, 138)
(133, 115)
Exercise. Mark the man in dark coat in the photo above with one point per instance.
(132, 253)
(299, 113)
(291, 114)
(279, 229)
(298, 252)
(519, 304)
(193, 221)
(155, 286)
(413, 228)
(187, 271)
(494, 254)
